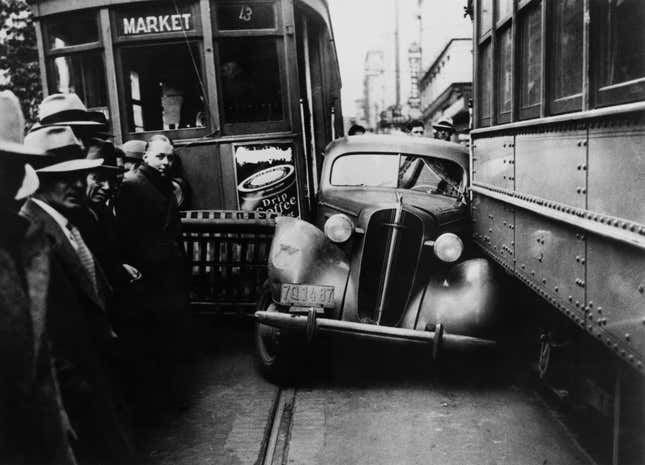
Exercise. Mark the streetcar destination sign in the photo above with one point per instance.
(155, 24)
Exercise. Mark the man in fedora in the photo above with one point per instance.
(134, 150)
(33, 423)
(444, 130)
(69, 110)
(78, 325)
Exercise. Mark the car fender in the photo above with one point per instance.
(301, 254)
(464, 298)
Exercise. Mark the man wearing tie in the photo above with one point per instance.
(80, 332)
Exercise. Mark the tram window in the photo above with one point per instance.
(72, 29)
(245, 16)
(163, 87)
(82, 74)
(250, 77)
(485, 16)
(530, 31)
(504, 71)
(566, 69)
(485, 84)
(503, 8)
(622, 51)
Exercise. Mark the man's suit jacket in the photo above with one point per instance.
(31, 409)
(77, 321)
(149, 229)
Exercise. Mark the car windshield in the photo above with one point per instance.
(399, 171)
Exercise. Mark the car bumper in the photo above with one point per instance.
(311, 325)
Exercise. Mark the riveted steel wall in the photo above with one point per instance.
(558, 203)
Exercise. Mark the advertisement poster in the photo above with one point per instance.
(266, 178)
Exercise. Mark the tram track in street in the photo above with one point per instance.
(277, 441)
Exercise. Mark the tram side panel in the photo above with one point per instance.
(559, 208)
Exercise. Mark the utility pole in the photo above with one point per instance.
(397, 59)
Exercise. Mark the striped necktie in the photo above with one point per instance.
(85, 255)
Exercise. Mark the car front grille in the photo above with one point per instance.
(373, 288)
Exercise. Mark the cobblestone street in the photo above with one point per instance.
(367, 408)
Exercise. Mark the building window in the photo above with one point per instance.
(485, 16)
(485, 84)
(566, 70)
(82, 74)
(619, 31)
(163, 87)
(250, 80)
(504, 72)
(530, 69)
(72, 29)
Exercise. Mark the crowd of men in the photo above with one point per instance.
(94, 283)
(442, 129)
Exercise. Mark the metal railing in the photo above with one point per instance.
(228, 252)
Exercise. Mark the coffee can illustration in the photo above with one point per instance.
(272, 189)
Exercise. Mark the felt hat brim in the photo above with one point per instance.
(30, 183)
(72, 165)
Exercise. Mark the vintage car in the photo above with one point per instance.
(389, 256)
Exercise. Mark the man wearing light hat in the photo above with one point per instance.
(33, 422)
(69, 110)
(79, 329)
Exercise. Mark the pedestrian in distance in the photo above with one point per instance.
(416, 128)
(34, 426)
(356, 130)
(444, 130)
(77, 323)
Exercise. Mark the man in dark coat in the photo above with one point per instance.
(33, 423)
(149, 228)
(78, 293)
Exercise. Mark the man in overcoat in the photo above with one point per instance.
(33, 423)
(77, 322)
(149, 228)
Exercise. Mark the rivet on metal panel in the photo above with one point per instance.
(570, 299)
(584, 142)
(590, 304)
(522, 266)
(543, 281)
(599, 310)
(532, 272)
(584, 167)
(630, 357)
(577, 304)
(578, 190)
(556, 289)
(513, 243)
(583, 261)
(641, 288)
(584, 191)
(628, 337)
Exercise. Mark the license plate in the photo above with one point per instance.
(306, 295)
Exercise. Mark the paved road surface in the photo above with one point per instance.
(366, 408)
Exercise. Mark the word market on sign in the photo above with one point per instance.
(157, 24)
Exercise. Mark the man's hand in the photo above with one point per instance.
(134, 274)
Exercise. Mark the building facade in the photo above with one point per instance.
(446, 86)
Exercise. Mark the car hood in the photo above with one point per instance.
(355, 200)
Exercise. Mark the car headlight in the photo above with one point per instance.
(339, 228)
(448, 247)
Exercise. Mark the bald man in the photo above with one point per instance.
(149, 229)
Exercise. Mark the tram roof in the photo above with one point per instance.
(50, 7)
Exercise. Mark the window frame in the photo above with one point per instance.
(50, 54)
(278, 34)
(123, 83)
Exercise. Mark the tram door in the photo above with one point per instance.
(319, 101)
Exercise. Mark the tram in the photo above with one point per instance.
(249, 91)
(557, 180)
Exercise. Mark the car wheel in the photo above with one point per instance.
(279, 355)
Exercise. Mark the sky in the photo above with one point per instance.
(361, 25)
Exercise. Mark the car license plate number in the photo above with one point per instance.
(306, 295)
